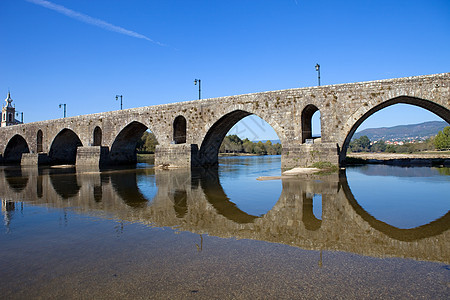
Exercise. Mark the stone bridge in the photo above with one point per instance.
(190, 133)
(195, 201)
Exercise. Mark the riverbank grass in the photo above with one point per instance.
(325, 166)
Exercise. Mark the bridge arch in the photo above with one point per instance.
(179, 130)
(123, 149)
(209, 149)
(364, 112)
(16, 146)
(63, 149)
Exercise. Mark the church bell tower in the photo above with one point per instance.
(8, 113)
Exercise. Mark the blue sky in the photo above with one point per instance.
(83, 52)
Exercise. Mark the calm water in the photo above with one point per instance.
(368, 232)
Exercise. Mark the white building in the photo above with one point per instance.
(8, 113)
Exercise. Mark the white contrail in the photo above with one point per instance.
(90, 20)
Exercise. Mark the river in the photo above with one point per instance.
(371, 231)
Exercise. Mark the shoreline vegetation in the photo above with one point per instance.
(434, 151)
(431, 158)
(231, 145)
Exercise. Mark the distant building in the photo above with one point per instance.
(8, 113)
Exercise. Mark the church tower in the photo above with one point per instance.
(8, 113)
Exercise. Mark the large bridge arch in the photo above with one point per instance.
(364, 112)
(210, 144)
(63, 149)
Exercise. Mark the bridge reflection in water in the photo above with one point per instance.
(196, 202)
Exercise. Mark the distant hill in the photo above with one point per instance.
(420, 131)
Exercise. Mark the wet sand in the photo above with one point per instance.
(141, 262)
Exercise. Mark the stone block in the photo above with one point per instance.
(92, 156)
(34, 159)
(304, 155)
(176, 155)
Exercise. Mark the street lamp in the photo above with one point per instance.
(199, 88)
(64, 108)
(318, 72)
(117, 98)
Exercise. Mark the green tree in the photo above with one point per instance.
(231, 143)
(147, 143)
(359, 145)
(379, 146)
(259, 149)
(248, 146)
(442, 139)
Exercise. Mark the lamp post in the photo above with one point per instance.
(318, 72)
(21, 118)
(63, 104)
(199, 88)
(117, 98)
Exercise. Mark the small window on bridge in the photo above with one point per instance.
(311, 126)
(97, 136)
(179, 130)
(39, 139)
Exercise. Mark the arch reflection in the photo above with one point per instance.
(215, 195)
(126, 185)
(433, 228)
(64, 182)
(196, 202)
(17, 181)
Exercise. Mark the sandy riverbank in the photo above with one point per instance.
(422, 159)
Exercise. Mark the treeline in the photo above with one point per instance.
(233, 144)
(147, 143)
(439, 142)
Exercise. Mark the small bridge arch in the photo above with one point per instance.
(123, 149)
(63, 149)
(16, 146)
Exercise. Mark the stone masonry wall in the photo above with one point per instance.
(343, 107)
